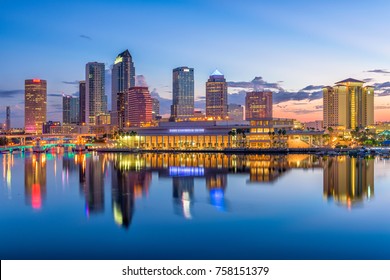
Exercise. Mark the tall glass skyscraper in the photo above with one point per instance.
(216, 96)
(123, 78)
(95, 98)
(182, 93)
(35, 100)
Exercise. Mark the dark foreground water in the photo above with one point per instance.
(193, 206)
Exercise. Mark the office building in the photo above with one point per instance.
(95, 98)
(235, 112)
(8, 119)
(82, 104)
(70, 109)
(138, 106)
(258, 105)
(155, 108)
(216, 96)
(35, 101)
(348, 105)
(182, 93)
(123, 78)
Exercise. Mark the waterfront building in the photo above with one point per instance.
(82, 104)
(95, 98)
(218, 135)
(35, 101)
(258, 105)
(123, 78)
(138, 110)
(70, 109)
(216, 96)
(155, 108)
(348, 104)
(235, 112)
(8, 119)
(182, 93)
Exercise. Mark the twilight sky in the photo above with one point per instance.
(290, 44)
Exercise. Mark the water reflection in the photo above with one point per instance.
(349, 181)
(35, 180)
(346, 180)
(128, 182)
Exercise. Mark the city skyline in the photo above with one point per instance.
(290, 45)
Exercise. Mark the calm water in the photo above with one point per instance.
(193, 206)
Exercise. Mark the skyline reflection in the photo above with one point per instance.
(347, 181)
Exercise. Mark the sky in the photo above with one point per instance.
(296, 47)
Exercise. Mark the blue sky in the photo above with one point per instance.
(293, 43)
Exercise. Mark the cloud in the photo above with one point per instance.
(140, 81)
(303, 111)
(71, 83)
(85, 37)
(378, 71)
(368, 80)
(54, 94)
(11, 93)
(256, 84)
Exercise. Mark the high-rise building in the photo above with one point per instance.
(182, 93)
(95, 97)
(348, 104)
(235, 112)
(258, 105)
(8, 119)
(123, 78)
(138, 106)
(70, 109)
(34, 105)
(82, 104)
(216, 96)
(155, 108)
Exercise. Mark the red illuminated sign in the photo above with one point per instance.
(36, 80)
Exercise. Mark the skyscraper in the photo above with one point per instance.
(123, 78)
(95, 98)
(138, 106)
(348, 104)
(216, 96)
(155, 108)
(258, 105)
(8, 119)
(182, 93)
(70, 109)
(82, 104)
(34, 105)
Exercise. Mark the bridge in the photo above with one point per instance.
(53, 140)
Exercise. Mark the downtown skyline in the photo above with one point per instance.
(291, 45)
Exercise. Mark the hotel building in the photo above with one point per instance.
(182, 93)
(216, 96)
(258, 105)
(348, 104)
(35, 101)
